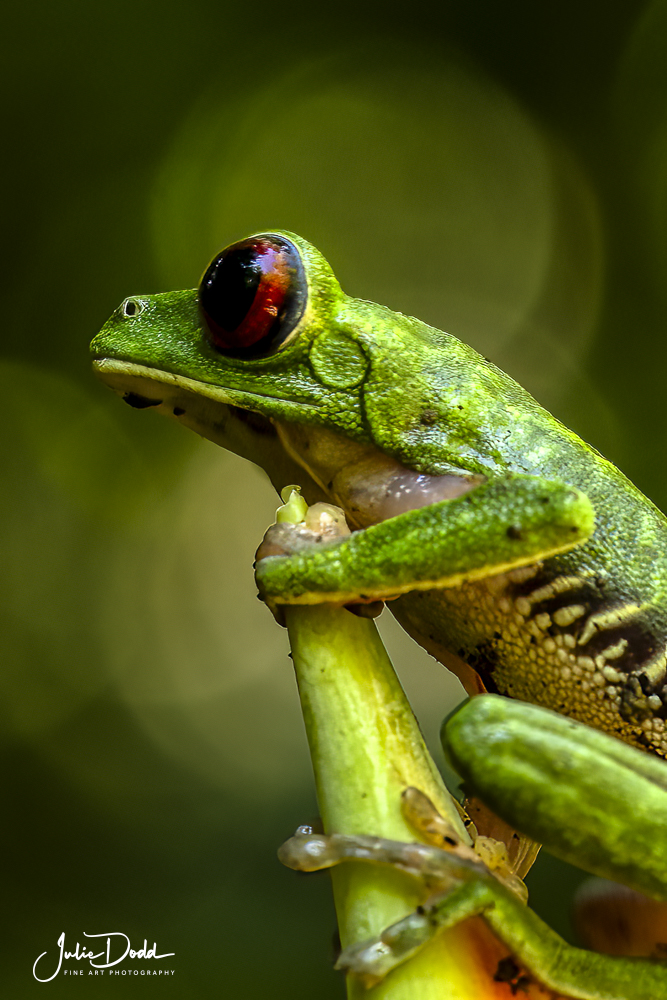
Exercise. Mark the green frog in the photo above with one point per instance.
(505, 545)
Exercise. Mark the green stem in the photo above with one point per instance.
(366, 748)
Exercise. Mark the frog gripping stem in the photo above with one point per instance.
(512, 521)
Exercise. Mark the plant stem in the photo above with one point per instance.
(366, 748)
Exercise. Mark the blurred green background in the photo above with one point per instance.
(497, 169)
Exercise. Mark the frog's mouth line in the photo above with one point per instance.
(203, 407)
(140, 383)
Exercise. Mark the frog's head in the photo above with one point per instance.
(269, 358)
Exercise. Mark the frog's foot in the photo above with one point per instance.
(462, 888)
(503, 854)
(444, 866)
(319, 525)
(442, 872)
(457, 882)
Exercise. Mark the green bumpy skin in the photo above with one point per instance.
(359, 394)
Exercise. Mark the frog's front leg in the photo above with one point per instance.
(501, 524)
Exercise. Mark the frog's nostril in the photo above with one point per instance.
(131, 307)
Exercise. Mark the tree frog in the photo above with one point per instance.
(511, 550)
(506, 546)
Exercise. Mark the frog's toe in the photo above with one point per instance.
(371, 960)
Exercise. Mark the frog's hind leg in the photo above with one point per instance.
(466, 889)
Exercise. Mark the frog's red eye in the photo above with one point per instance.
(252, 296)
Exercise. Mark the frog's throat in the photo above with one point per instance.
(212, 412)
(369, 485)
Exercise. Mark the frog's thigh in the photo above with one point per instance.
(500, 525)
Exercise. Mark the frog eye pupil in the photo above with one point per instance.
(232, 285)
(251, 296)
